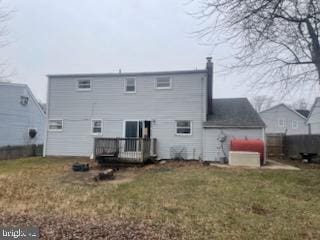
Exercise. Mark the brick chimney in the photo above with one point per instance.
(209, 84)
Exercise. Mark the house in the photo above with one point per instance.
(283, 119)
(313, 120)
(22, 120)
(174, 108)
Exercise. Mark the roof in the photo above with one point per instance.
(233, 112)
(128, 74)
(303, 112)
(29, 91)
(313, 107)
(289, 108)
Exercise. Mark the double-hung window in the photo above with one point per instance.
(55, 125)
(163, 82)
(295, 124)
(84, 84)
(130, 85)
(96, 127)
(183, 127)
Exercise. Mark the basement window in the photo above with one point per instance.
(163, 82)
(183, 128)
(55, 125)
(96, 126)
(130, 85)
(84, 84)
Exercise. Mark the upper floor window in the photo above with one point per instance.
(130, 85)
(281, 123)
(183, 127)
(96, 126)
(84, 84)
(295, 124)
(55, 125)
(163, 82)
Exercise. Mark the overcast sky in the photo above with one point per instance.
(96, 36)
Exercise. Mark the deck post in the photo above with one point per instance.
(142, 149)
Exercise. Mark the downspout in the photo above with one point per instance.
(44, 154)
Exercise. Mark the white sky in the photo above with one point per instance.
(96, 36)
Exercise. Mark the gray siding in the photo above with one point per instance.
(272, 116)
(212, 145)
(16, 119)
(108, 101)
(314, 119)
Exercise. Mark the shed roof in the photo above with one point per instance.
(233, 112)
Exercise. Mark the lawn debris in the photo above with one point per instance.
(105, 175)
(80, 167)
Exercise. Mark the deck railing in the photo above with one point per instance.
(125, 149)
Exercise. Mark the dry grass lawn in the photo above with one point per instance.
(182, 201)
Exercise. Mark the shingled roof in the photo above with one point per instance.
(303, 112)
(233, 112)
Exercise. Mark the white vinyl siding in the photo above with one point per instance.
(130, 85)
(108, 102)
(183, 128)
(280, 119)
(163, 82)
(55, 125)
(84, 84)
(96, 127)
(16, 118)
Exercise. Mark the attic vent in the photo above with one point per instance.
(24, 100)
(178, 153)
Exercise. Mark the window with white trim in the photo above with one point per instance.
(84, 84)
(183, 127)
(163, 82)
(55, 125)
(130, 85)
(281, 123)
(96, 126)
(295, 124)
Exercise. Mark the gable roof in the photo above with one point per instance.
(284, 105)
(303, 112)
(29, 92)
(233, 112)
(313, 107)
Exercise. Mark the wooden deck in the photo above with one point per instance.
(124, 150)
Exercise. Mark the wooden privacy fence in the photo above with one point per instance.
(281, 146)
(275, 145)
(302, 143)
(14, 152)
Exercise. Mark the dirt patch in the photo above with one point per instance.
(71, 228)
(259, 209)
(121, 176)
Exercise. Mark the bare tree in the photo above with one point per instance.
(300, 104)
(261, 103)
(278, 37)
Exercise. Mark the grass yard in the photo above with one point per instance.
(169, 201)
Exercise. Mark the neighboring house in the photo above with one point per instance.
(283, 119)
(314, 117)
(22, 120)
(174, 107)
